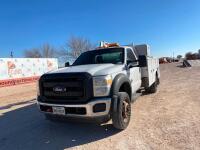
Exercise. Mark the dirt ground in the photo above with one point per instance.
(168, 119)
(18, 93)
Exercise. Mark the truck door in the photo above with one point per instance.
(134, 72)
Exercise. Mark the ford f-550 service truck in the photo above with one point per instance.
(100, 84)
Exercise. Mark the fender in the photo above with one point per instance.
(117, 83)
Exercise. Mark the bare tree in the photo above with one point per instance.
(179, 56)
(191, 56)
(46, 51)
(188, 55)
(33, 53)
(77, 45)
(199, 53)
(195, 56)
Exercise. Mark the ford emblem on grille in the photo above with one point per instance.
(59, 89)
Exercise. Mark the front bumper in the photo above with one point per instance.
(90, 108)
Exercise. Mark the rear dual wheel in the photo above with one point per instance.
(154, 86)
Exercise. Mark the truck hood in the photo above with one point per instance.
(93, 69)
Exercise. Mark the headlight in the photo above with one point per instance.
(101, 85)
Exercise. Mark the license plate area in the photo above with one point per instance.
(58, 110)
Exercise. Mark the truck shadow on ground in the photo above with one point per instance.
(181, 66)
(26, 128)
(15, 104)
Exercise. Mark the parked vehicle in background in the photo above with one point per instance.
(100, 84)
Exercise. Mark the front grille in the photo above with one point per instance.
(74, 87)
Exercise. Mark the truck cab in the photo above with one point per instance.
(99, 85)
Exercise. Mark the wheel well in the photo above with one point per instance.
(125, 87)
(157, 77)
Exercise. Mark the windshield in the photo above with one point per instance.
(110, 55)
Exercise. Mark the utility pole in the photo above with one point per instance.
(11, 54)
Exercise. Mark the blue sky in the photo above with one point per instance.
(166, 25)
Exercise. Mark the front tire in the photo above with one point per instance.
(121, 116)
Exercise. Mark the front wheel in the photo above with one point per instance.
(121, 116)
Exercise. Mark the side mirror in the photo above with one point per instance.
(67, 64)
(131, 64)
(142, 61)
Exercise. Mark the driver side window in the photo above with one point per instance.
(130, 56)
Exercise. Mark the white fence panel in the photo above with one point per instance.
(12, 68)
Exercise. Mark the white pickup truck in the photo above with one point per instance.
(100, 84)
